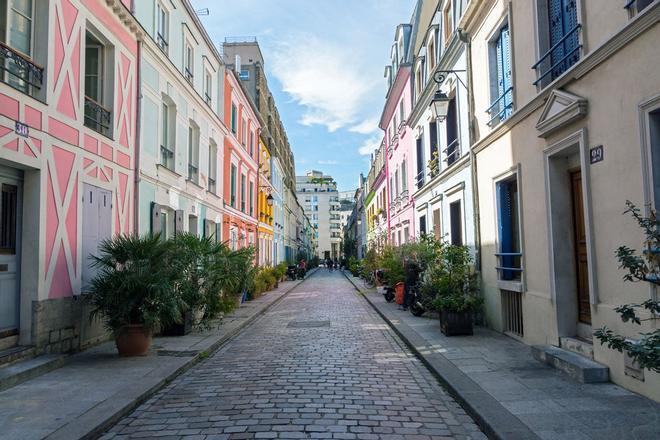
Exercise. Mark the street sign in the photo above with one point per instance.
(22, 129)
(596, 154)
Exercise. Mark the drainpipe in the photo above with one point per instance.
(467, 41)
(138, 119)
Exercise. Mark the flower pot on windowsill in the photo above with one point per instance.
(182, 329)
(456, 323)
(133, 340)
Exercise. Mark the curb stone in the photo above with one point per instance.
(93, 423)
(494, 419)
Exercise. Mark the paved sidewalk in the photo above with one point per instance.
(497, 380)
(96, 387)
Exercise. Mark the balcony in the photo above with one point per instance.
(19, 71)
(501, 108)
(509, 266)
(420, 179)
(161, 42)
(97, 117)
(559, 58)
(452, 152)
(212, 185)
(193, 173)
(188, 74)
(207, 98)
(167, 157)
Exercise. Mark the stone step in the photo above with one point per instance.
(15, 354)
(579, 346)
(19, 372)
(574, 365)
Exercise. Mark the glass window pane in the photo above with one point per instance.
(20, 33)
(23, 6)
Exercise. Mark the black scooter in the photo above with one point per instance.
(301, 273)
(388, 291)
(291, 273)
(417, 307)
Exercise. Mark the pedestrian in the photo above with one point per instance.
(412, 270)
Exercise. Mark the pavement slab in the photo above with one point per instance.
(341, 374)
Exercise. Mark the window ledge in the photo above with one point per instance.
(195, 184)
(167, 170)
(514, 286)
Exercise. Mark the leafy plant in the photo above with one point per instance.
(390, 260)
(644, 267)
(134, 284)
(452, 281)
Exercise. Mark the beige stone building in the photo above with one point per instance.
(566, 105)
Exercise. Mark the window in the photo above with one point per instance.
(501, 79)
(452, 151)
(243, 131)
(422, 225)
(251, 199)
(213, 166)
(192, 224)
(430, 52)
(654, 125)
(189, 62)
(636, 6)
(193, 154)
(406, 235)
(97, 117)
(396, 182)
(398, 237)
(233, 238)
(437, 228)
(234, 115)
(162, 27)
(8, 212)
(402, 112)
(508, 229)
(455, 223)
(418, 80)
(232, 186)
(17, 32)
(559, 39)
(167, 136)
(404, 177)
(251, 143)
(208, 87)
(243, 192)
(420, 163)
(448, 19)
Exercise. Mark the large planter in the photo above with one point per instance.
(133, 340)
(182, 329)
(399, 292)
(456, 323)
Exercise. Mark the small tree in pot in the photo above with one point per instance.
(134, 290)
(455, 284)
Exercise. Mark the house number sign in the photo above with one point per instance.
(22, 129)
(596, 154)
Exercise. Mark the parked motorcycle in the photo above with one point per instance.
(301, 273)
(291, 273)
(417, 305)
(388, 291)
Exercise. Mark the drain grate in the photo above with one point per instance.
(308, 324)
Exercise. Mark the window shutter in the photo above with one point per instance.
(500, 69)
(218, 237)
(570, 21)
(507, 80)
(436, 224)
(506, 240)
(155, 218)
(178, 221)
(205, 227)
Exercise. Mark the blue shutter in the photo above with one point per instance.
(500, 75)
(570, 21)
(556, 26)
(505, 223)
(506, 72)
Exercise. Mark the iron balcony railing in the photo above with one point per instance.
(19, 71)
(97, 117)
(559, 66)
(162, 42)
(420, 178)
(193, 173)
(166, 157)
(509, 265)
(452, 152)
(212, 186)
(188, 74)
(207, 98)
(501, 108)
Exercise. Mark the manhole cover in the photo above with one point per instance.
(308, 324)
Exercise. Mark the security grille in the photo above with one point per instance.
(512, 312)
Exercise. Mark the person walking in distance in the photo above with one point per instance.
(412, 270)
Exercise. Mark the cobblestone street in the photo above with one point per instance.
(320, 364)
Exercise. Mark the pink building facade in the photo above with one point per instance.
(399, 142)
(68, 98)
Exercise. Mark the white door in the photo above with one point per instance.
(11, 189)
(97, 226)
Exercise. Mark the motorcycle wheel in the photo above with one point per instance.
(389, 297)
(417, 310)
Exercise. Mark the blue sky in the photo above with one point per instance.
(325, 62)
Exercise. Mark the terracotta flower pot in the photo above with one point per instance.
(133, 340)
(399, 292)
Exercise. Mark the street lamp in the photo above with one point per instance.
(440, 105)
(269, 200)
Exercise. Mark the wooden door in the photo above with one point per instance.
(580, 246)
(97, 226)
(10, 242)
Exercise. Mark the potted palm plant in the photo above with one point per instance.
(454, 282)
(133, 291)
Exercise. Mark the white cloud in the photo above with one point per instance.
(328, 162)
(322, 77)
(368, 126)
(370, 145)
